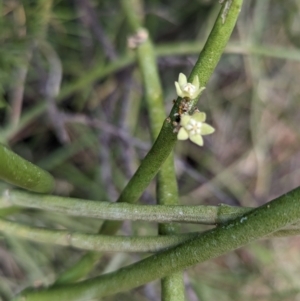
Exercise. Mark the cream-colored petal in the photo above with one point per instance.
(197, 92)
(186, 94)
(196, 82)
(199, 116)
(189, 88)
(182, 134)
(178, 90)
(197, 139)
(185, 119)
(193, 121)
(206, 129)
(198, 131)
(182, 79)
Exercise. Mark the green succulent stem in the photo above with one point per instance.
(166, 139)
(207, 215)
(172, 287)
(12, 201)
(93, 242)
(258, 223)
(154, 96)
(22, 173)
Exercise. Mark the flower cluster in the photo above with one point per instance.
(193, 127)
(189, 90)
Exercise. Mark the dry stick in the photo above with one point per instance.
(254, 225)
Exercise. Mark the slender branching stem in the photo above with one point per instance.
(256, 224)
(22, 173)
(208, 215)
(93, 242)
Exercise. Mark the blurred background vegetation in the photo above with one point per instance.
(72, 102)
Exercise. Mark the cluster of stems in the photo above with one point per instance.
(235, 227)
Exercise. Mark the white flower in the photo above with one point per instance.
(189, 90)
(193, 127)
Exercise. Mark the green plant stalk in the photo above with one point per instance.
(256, 72)
(216, 42)
(167, 138)
(207, 215)
(254, 225)
(153, 90)
(79, 270)
(107, 243)
(213, 48)
(185, 48)
(154, 97)
(138, 183)
(12, 202)
(94, 242)
(172, 286)
(22, 173)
